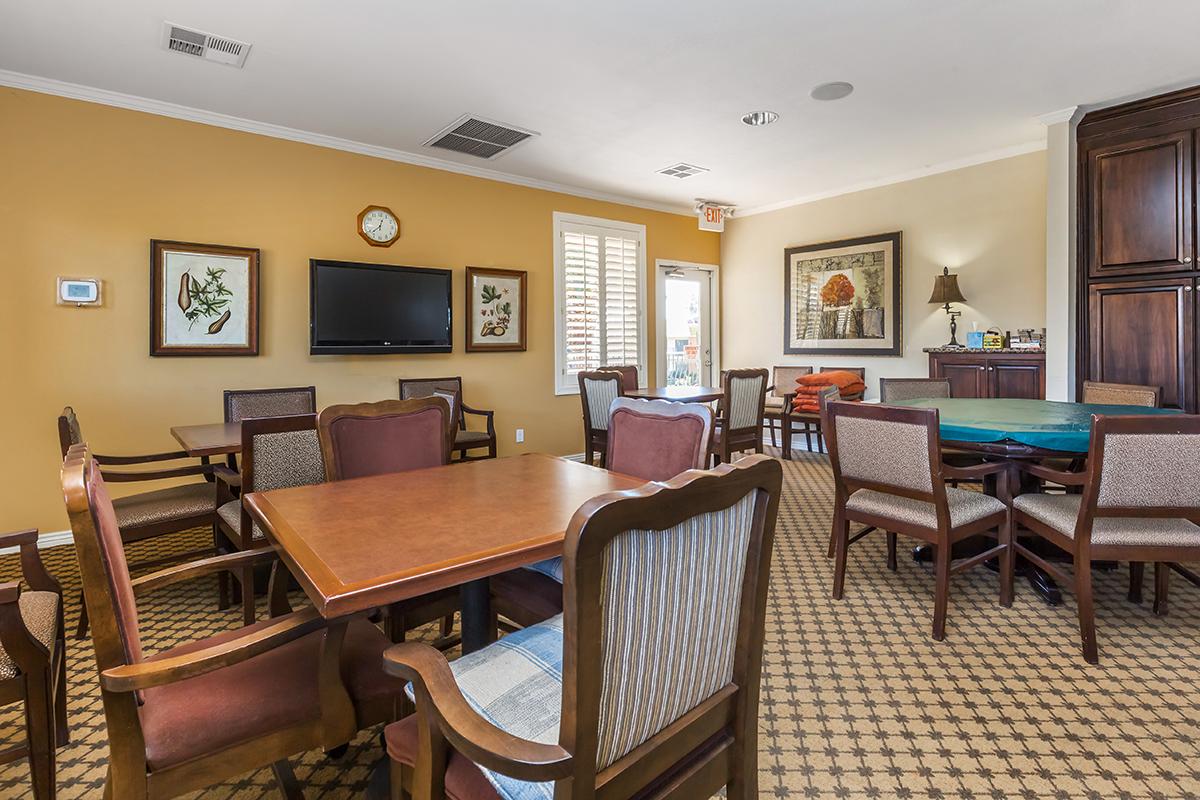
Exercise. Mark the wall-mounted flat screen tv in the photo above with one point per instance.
(378, 308)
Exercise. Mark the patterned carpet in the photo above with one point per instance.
(858, 701)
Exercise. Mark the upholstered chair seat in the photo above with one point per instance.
(1061, 512)
(965, 507)
(39, 611)
(551, 568)
(470, 438)
(231, 515)
(165, 505)
(774, 402)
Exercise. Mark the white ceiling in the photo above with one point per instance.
(621, 88)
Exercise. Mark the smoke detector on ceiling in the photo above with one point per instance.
(208, 46)
(475, 136)
(682, 170)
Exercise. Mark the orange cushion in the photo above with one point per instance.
(838, 378)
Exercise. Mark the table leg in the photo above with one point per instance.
(477, 631)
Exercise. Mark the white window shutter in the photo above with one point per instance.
(621, 324)
(582, 346)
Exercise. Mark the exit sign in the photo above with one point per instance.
(712, 218)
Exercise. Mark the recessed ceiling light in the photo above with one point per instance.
(832, 91)
(756, 118)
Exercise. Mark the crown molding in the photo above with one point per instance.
(924, 172)
(1062, 115)
(91, 94)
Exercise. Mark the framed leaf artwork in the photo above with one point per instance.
(203, 299)
(843, 297)
(495, 309)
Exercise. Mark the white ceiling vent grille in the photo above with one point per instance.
(210, 47)
(682, 170)
(479, 137)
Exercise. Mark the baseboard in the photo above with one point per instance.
(574, 457)
(798, 443)
(45, 540)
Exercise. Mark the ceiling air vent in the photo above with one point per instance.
(210, 47)
(479, 137)
(682, 170)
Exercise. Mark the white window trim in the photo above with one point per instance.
(563, 385)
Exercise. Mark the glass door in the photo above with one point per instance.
(687, 321)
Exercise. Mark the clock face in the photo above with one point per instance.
(379, 226)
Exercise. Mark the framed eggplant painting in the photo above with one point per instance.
(203, 299)
(843, 297)
(495, 309)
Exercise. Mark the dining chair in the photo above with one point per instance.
(629, 376)
(1121, 394)
(597, 391)
(385, 437)
(33, 662)
(778, 405)
(465, 440)
(646, 686)
(892, 390)
(739, 424)
(206, 711)
(1138, 503)
(888, 474)
(654, 440)
(158, 512)
(243, 404)
(277, 453)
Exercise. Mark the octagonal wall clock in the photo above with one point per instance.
(378, 226)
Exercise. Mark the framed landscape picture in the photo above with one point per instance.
(843, 298)
(203, 299)
(495, 309)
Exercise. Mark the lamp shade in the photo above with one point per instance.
(945, 289)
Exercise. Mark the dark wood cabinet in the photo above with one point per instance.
(989, 373)
(1144, 332)
(1141, 206)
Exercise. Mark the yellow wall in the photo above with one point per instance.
(986, 222)
(83, 190)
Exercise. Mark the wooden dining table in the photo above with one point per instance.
(214, 439)
(366, 543)
(679, 394)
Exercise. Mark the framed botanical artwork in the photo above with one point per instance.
(203, 299)
(495, 309)
(843, 298)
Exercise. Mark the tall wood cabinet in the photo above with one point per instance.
(1138, 273)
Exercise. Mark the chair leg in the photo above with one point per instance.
(771, 425)
(285, 780)
(39, 730)
(941, 590)
(786, 437)
(61, 728)
(82, 628)
(248, 608)
(1137, 571)
(1007, 563)
(1087, 612)
(447, 626)
(891, 550)
(808, 436)
(396, 781)
(1162, 580)
(588, 453)
(841, 533)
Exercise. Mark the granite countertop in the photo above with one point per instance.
(1037, 350)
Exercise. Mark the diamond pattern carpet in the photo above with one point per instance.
(858, 701)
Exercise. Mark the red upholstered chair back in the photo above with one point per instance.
(389, 436)
(656, 440)
(629, 376)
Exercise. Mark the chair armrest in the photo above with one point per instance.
(1053, 475)
(196, 569)
(24, 648)
(230, 477)
(146, 459)
(172, 669)
(490, 416)
(18, 538)
(788, 400)
(32, 567)
(157, 475)
(471, 734)
(973, 472)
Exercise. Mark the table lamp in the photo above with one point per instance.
(945, 292)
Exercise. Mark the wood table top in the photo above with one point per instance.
(679, 394)
(364, 543)
(214, 439)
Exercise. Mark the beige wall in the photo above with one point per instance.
(987, 223)
(83, 189)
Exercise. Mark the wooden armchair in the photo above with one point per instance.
(739, 424)
(465, 439)
(385, 437)
(209, 710)
(33, 662)
(597, 391)
(1139, 503)
(642, 690)
(649, 439)
(277, 452)
(888, 474)
(629, 376)
(158, 512)
(778, 404)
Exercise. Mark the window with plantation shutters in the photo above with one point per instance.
(599, 269)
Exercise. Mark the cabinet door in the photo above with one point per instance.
(967, 376)
(1141, 206)
(1021, 379)
(1143, 332)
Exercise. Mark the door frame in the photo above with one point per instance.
(661, 265)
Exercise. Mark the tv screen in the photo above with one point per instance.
(378, 308)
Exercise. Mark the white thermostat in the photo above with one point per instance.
(78, 292)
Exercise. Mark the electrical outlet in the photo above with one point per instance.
(520, 435)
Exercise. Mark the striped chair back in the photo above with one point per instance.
(745, 398)
(597, 390)
(666, 595)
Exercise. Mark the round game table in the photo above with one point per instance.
(1015, 430)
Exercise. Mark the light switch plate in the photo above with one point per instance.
(520, 435)
(78, 292)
